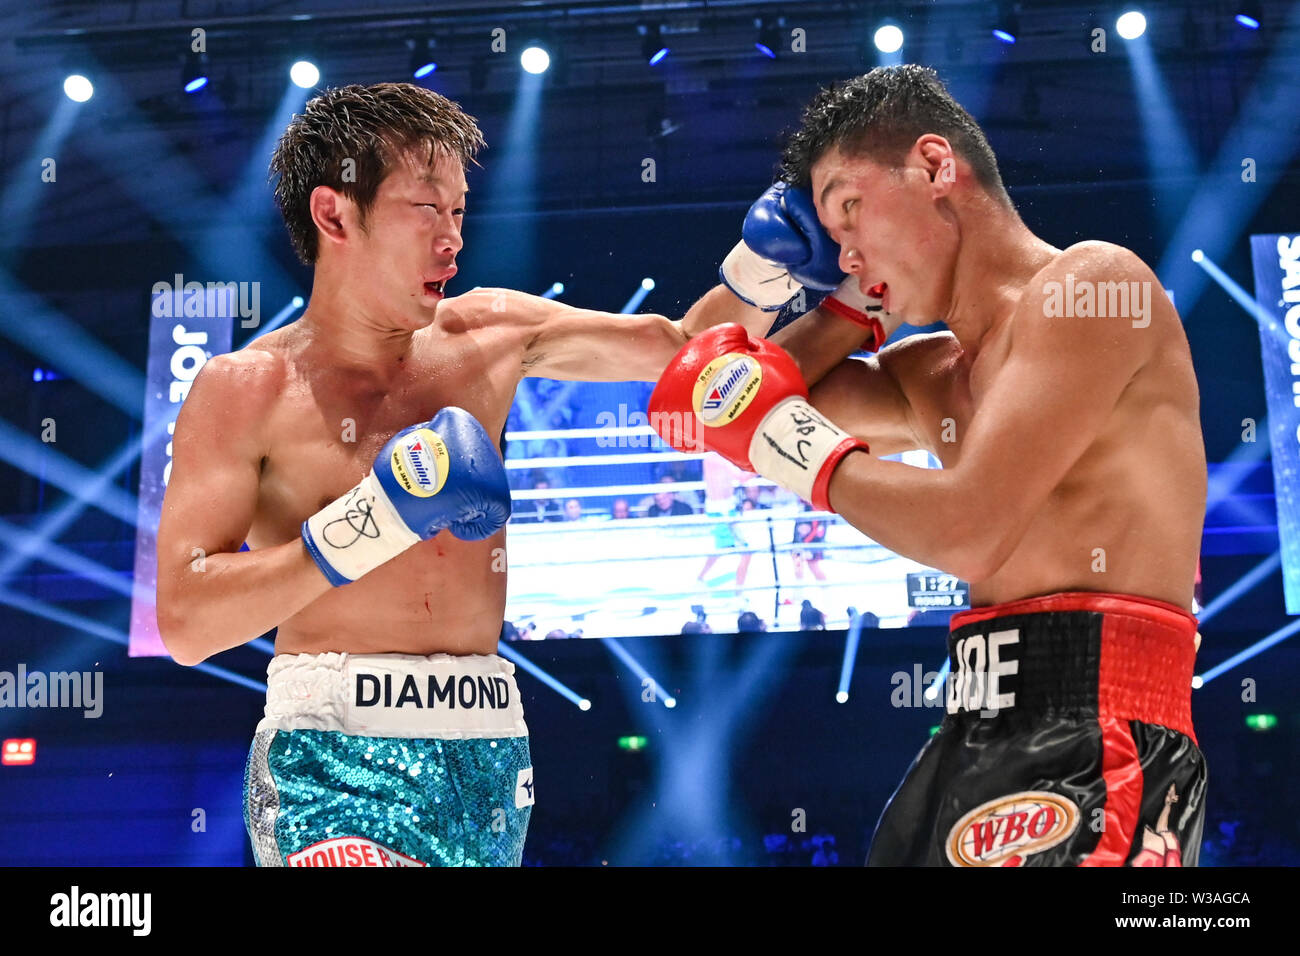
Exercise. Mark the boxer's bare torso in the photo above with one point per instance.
(442, 595)
(1126, 516)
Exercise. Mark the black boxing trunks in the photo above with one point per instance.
(1067, 741)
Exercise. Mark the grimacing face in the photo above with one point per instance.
(405, 255)
(893, 225)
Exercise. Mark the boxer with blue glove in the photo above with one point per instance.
(783, 249)
(393, 732)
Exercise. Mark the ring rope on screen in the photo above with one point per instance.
(589, 572)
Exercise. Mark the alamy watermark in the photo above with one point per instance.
(1085, 299)
(82, 689)
(180, 299)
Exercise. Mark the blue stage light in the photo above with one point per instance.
(659, 55)
(1131, 25)
(77, 88)
(420, 72)
(1247, 21)
(535, 60)
(889, 38)
(1004, 36)
(304, 74)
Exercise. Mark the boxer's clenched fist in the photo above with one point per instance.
(744, 398)
(784, 248)
(442, 475)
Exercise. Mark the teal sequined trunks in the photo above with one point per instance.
(389, 760)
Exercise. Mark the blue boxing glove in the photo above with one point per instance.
(443, 475)
(783, 248)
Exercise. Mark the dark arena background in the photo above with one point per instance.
(753, 710)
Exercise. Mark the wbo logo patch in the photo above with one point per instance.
(725, 387)
(420, 462)
(1004, 831)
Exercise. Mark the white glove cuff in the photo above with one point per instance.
(792, 445)
(358, 531)
(756, 280)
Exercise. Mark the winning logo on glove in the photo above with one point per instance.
(420, 463)
(725, 387)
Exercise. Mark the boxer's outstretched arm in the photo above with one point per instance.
(559, 341)
(817, 341)
(211, 596)
(1060, 382)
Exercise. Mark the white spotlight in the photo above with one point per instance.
(1131, 25)
(304, 74)
(670, 702)
(78, 88)
(557, 288)
(1197, 255)
(1198, 682)
(648, 284)
(889, 39)
(841, 697)
(535, 60)
(584, 704)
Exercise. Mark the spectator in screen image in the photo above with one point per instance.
(666, 503)
(538, 509)
(752, 492)
(749, 623)
(811, 619)
(573, 510)
(618, 510)
(808, 531)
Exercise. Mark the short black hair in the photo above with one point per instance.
(373, 126)
(880, 115)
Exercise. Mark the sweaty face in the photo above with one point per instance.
(891, 228)
(407, 252)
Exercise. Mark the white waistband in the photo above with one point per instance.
(394, 695)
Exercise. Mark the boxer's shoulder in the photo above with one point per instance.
(479, 308)
(246, 377)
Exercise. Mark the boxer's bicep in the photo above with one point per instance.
(589, 346)
(864, 398)
(212, 489)
(1049, 402)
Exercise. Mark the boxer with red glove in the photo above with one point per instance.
(784, 248)
(745, 399)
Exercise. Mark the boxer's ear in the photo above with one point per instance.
(328, 209)
(939, 161)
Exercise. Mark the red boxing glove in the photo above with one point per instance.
(746, 400)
